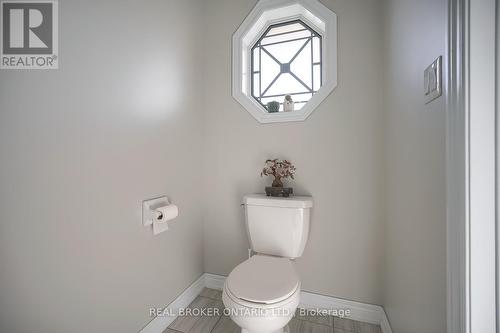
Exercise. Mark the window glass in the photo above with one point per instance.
(286, 60)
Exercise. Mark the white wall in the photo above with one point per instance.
(337, 151)
(415, 209)
(80, 148)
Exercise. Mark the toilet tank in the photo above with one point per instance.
(278, 226)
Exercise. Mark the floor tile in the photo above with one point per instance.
(368, 328)
(345, 324)
(226, 325)
(303, 322)
(294, 326)
(319, 318)
(339, 330)
(211, 293)
(308, 327)
(355, 326)
(314, 317)
(205, 324)
(300, 314)
(185, 323)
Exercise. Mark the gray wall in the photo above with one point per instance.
(132, 114)
(80, 148)
(337, 152)
(415, 166)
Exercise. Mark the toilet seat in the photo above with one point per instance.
(263, 280)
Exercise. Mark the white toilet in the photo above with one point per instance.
(262, 293)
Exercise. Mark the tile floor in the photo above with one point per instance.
(210, 298)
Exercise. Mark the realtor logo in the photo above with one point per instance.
(29, 34)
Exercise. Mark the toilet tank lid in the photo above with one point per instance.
(290, 202)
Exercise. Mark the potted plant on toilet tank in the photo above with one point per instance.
(279, 169)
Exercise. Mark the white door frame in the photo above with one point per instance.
(498, 159)
(471, 167)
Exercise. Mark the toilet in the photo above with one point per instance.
(262, 293)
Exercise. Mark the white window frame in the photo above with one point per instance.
(269, 12)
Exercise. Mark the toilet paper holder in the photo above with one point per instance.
(150, 210)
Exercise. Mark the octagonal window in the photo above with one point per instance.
(285, 59)
(286, 66)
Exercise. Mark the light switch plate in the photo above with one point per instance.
(433, 78)
(148, 206)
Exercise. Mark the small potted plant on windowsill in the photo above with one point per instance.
(279, 169)
(273, 107)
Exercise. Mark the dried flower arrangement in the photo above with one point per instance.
(279, 169)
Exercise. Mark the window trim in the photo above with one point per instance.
(271, 12)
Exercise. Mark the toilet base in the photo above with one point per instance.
(286, 329)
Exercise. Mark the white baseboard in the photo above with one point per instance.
(214, 281)
(160, 323)
(384, 323)
(368, 313)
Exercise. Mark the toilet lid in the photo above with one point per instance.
(263, 279)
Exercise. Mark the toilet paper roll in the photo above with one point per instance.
(164, 214)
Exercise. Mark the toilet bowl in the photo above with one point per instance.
(262, 293)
